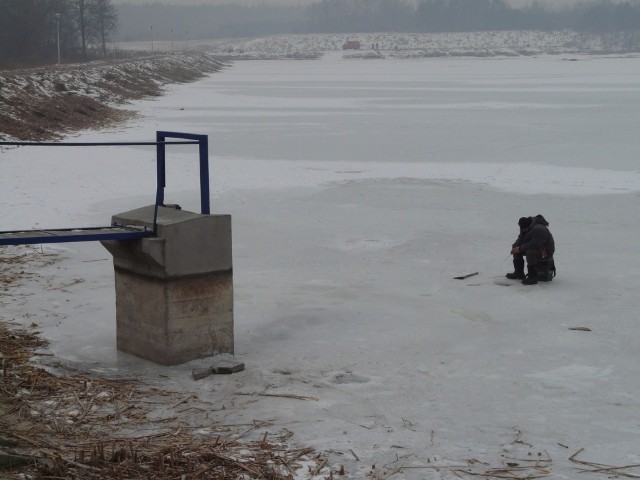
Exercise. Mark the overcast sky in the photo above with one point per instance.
(219, 2)
(300, 2)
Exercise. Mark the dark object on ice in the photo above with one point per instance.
(546, 270)
(532, 276)
(524, 222)
(220, 364)
(535, 243)
(518, 273)
(466, 276)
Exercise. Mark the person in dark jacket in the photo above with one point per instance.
(536, 244)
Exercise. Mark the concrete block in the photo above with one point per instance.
(220, 364)
(187, 243)
(174, 292)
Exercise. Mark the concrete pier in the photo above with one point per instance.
(174, 291)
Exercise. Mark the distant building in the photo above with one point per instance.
(351, 45)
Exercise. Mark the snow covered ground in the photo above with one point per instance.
(41, 103)
(409, 45)
(358, 190)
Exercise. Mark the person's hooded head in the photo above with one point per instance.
(525, 222)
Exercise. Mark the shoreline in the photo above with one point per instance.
(46, 104)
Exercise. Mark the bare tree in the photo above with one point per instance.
(79, 8)
(103, 19)
(28, 31)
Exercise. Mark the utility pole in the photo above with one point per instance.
(58, 30)
(151, 38)
(172, 40)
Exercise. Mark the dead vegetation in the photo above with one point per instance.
(612, 471)
(58, 114)
(62, 424)
(43, 104)
(79, 426)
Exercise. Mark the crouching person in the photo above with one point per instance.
(536, 244)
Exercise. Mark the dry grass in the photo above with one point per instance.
(71, 425)
(45, 103)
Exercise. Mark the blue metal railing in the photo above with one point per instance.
(119, 232)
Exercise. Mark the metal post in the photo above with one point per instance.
(58, 30)
(160, 177)
(203, 150)
(203, 153)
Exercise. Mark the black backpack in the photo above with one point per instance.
(547, 270)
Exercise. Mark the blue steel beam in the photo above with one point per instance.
(63, 235)
(66, 235)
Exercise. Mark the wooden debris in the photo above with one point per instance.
(611, 470)
(5, 442)
(279, 395)
(85, 427)
(463, 277)
(580, 329)
(93, 415)
(200, 373)
(224, 364)
(537, 466)
(8, 460)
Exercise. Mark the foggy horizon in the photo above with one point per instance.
(515, 3)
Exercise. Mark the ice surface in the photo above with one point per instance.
(358, 191)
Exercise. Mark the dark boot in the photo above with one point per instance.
(518, 274)
(532, 276)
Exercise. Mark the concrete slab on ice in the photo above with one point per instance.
(220, 364)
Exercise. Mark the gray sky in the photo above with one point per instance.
(219, 2)
(293, 2)
(305, 2)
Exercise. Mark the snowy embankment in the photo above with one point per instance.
(43, 103)
(416, 45)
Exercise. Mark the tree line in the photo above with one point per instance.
(41, 31)
(346, 16)
(149, 22)
(146, 22)
(29, 28)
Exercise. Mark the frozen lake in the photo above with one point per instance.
(545, 110)
(358, 189)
